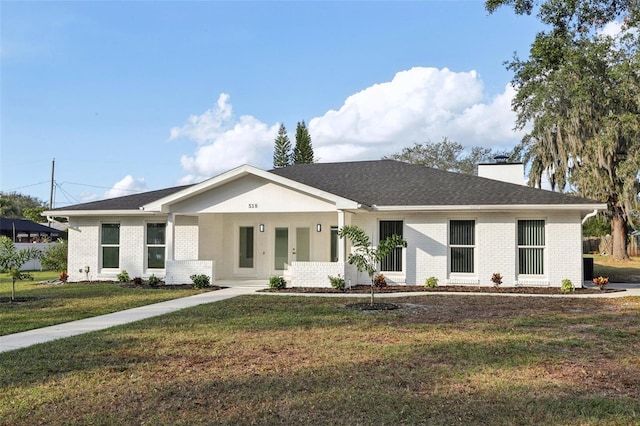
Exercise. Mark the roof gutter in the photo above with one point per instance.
(589, 216)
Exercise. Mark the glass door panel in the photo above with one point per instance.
(246, 247)
(281, 248)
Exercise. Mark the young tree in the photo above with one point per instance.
(11, 260)
(579, 91)
(365, 257)
(303, 151)
(282, 149)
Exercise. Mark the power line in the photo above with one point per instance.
(101, 187)
(25, 186)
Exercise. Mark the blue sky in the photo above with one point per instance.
(146, 95)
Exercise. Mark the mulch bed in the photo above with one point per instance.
(18, 299)
(359, 289)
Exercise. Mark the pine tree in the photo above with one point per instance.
(302, 152)
(282, 149)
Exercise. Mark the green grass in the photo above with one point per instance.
(56, 304)
(617, 271)
(261, 359)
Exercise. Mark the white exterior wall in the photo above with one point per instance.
(186, 233)
(564, 249)
(315, 274)
(496, 248)
(84, 248)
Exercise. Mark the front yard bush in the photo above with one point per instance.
(123, 276)
(337, 282)
(200, 280)
(154, 281)
(277, 283)
(567, 286)
(431, 282)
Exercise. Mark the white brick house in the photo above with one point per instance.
(251, 223)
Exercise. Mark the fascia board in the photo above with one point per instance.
(495, 207)
(70, 213)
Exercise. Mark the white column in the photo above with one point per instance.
(340, 239)
(169, 237)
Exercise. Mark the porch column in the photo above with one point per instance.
(169, 237)
(340, 239)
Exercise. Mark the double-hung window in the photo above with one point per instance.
(156, 234)
(462, 239)
(110, 245)
(531, 247)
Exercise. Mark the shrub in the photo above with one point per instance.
(380, 281)
(337, 282)
(277, 283)
(601, 281)
(63, 276)
(123, 277)
(55, 257)
(496, 278)
(200, 280)
(154, 281)
(431, 282)
(567, 286)
(137, 281)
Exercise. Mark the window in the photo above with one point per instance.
(393, 262)
(334, 243)
(462, 245)
(155, 245)
(246, 247)
(531, 247)
(110, 245)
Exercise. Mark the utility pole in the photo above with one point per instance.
(53, 167)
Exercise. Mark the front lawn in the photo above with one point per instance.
(259, 359)
(617, 271)
(51, 304)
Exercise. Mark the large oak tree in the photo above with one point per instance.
(579, 94)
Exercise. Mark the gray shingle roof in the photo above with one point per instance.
(394, 183)
(382, 183)
(128, 202)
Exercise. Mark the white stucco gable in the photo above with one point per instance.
(249, 189)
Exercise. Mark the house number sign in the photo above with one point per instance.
(253, 205)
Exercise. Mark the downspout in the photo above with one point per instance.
(590, 215)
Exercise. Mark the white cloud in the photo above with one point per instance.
(224, 141)
(612, 29)
(417, 105)
(127, 186)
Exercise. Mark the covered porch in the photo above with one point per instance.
(302, 247)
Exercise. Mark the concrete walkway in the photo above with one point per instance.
(235, 288)
(46, 334)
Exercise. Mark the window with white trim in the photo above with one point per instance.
(462, 240)
(393, 262)
(531, 245)
(334, 243)
(156, 237)
(110, 245)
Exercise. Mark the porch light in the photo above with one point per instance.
(261, 227)
(319, 227)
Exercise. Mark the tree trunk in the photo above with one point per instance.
(372, 286)
(619, 237)
(13, 289)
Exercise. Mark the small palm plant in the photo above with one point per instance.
(365, 257)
